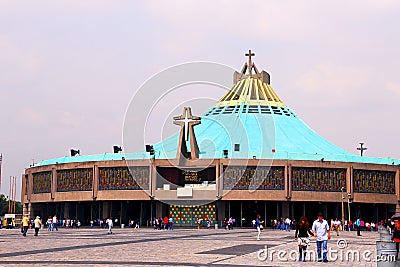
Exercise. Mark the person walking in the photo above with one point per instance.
(396, 236)
(322, 233)
(258, 226)
(303, 232)
(358, 226)
(38, 223)
(110, 225)
(336, 226)
(25, 224)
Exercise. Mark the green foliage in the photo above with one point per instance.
(4, 206)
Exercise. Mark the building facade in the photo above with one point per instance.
(262, 159)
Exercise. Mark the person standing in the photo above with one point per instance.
(49, 223)
(165, 223)
(302, 234)
(288, 223)
(258, 226)
(38, 223)
(199, 222)
(171, 221)
(322, 233)
(55, 222)
(25, 224)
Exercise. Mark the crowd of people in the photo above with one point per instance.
(163, 223)
(336, 225)
(321, 230)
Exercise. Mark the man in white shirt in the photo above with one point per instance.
(372, 226)
(288, 223)
(110, 225)
(322, 233)
(55, 222)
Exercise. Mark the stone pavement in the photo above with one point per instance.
(181, 247)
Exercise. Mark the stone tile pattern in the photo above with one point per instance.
(181, 247)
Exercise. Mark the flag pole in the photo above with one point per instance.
(9, 197)
(15, 193)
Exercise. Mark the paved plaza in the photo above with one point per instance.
(181, 247)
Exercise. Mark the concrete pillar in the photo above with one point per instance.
(351, 182)
(66, 210)
(278, 210)
(95, 183)
(219, 180)
(30, 186)
(25, 209)
(159, 209)
(348, 180)
(106, 209)
(285, 209)
(265, 213)
(289, 183)
(30, 209)
(291, 205)
(152, 180)
(24, 190)
(241, 213)
(397, 189)
(120, 213)
(53, 183)
(220, 210)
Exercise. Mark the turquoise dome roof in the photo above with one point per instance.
(249, 121)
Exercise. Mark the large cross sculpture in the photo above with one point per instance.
(187, 121)
(361, 148)
(249, 64)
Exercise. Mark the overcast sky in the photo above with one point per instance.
(68, 69)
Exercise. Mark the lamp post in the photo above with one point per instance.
(342, 189)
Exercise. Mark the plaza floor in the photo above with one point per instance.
(181, 247)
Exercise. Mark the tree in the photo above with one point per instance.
(4, 205)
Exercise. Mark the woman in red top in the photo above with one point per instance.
(396, 235)
(165, 222)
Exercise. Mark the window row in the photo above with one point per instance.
(124, 178)
(234, 178)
